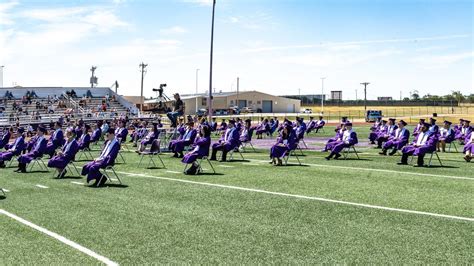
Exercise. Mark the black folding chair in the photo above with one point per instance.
(199, 162)
(154, 151)
(431, 158)
(107, 172)
(453, 143)
(3, 192)
(71, 167)
(39, 161)
(231, 154)
(290, 153)
(86, 152)
(347, 151)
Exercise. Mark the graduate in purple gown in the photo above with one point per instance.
(78, 129)
(349, 138)
(469, 148)
(457, 128)
(330, 143)
(389, 133)
(37, 151)
(418, 127)
(376, 124)
(222, 127)
(228, 141)
(433, 127)
(107, 157)
(246, 132)
(285, 144)
(97, 133)
(213, 124)
(424, 143)
(177, 146)
(446, 136)
(262, 128)
(6, 137)
(310, 125)
(200, 149)
(464, 132)
(300, 128)
(398, 140)
(66, 155)
(121, 132)
(56, 140)
(376, 133)
(85, 140)
(14, 149)
(153, 134)
(319, 124)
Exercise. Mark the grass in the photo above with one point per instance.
(162, 221)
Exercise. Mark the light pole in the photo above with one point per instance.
(322, 95)
(143, 70)
(2, 75)
(211, 57)
(365, 94)
(197, 86)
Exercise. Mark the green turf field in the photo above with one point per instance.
(248, 213)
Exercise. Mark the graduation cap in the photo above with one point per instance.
(232, 121)
(422, 120)
(349, 124)
(432, 119)
(447, 122)
(111, 131)
(467, 121)
(402, 122)
(384, 121)
(392, 119)
(426, 125)
(42, 129)
(248, 120)
(20, 130)
(87, 126)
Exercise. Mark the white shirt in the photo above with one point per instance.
(108, 148)
(422, 138)
(346, 136)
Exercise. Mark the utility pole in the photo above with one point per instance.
(93, 78)
(237, 103)
(365, 94)
(143, 70)
(357, 98)
(400, 96)
(211, 57)
(1, 83)
(322, 95)
(197, 85)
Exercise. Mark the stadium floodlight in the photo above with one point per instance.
(211, 57)
(365, 94)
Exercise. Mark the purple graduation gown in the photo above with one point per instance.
(55, 141)
(280, 151)
(469, 144)
(201, 149)
(18, 146)
(428, 147)
(230, 143)
(399, 140)
(84, 141)
(5, 139)
(92, 169)
(37, 151)
(340, 145)
(96, 135)
(180, 144)
(69, 152)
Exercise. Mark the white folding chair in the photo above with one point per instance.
(71, 167)
(231, 154)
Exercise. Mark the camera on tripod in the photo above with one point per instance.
(160, 90)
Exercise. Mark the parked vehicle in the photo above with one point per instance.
(247, 110)
(201, 112)
(372, 115)
(234, 110)
(307, 111)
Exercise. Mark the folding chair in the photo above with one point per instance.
(39, 161)
(453, 143)
(347, 151)
(431, 158)
(231, 154)
(10, 163)
(290, 153)
(87, 154)
(154, 151)
(199, 162)
(247, 143)
(3, 192)
(107, 171)
(70, 166)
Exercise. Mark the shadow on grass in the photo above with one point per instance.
(109, 185)
(70, 177)
(37, 171)
(155, 168)
(292, 165)
(2, 197)
(239, 161)
(443, 166)
(354, 159)
(209, 173)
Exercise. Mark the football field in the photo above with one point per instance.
(340, 211)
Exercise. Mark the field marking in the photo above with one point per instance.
(305, 197)
(252, 164)
(41, 186)
(6, 190)
(174, 172)
(379, 170)
(60, 238)
(77, 183)
(226, 166)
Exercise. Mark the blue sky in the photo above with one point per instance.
(275, 46)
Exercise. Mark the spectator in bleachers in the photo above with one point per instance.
(51, 109)
(37, 115)
(89, 94)
(73, 94)
(14, 105)
(33, 94)
(38, 104)
(55, 99)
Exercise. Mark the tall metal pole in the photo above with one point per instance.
(142, 101)
(197, 85)
(237, 101)
(211, 57)
(322, 95)
(2, 76)
(93, 68)
(365, 94)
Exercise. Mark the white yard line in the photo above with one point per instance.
(305, 197)
(60, 238)
(226, 166)
(6, 190)
(41, 186)
(174, 172)
(378, 170)
(77, 183)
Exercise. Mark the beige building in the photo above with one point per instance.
(258, 101)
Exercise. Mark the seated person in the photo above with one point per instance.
(310, 125)
(262, 128)
(398, 140)
(300, 128)
(14, 149)
(469, 148)
(214, 124)
(386, 135)
(228, 142)
(285, 143)
(222, 127)
(418, 127)
(177, 111)
(433, 127)
(56, 140)
(201, 148)
(85, 139)
(446, 136)
(66, 155)
(97, 132)
(153, 134)
(274, 123)
(6, 137)
(107, 157)
(121, 132)
(177, 146)
(139, 132)
(247, 132)
(376, 125)
(332, 141)
(380, 130)
(464, 132)
(349, 138)
(319, 124)
(38, 150)
(424, 143)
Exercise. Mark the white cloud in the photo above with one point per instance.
(441, 61)
(173, 30)
(200, 2)
(5, 7)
